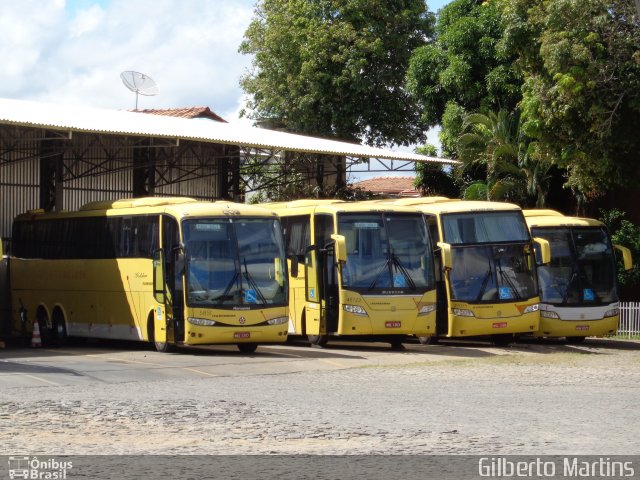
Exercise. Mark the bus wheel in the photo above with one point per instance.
(164, 347)
(43, 325)
(575, 340)
(59, 328)
(318, 340)
(430, 340)
(502, 339)
(247, 347)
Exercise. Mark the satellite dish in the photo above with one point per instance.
(140, 83)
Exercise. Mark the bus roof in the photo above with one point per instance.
(177, 206)
(440, 205)
(301, 207)
(552, 218)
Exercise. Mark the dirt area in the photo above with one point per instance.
(531, 399)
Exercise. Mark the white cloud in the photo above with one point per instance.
(74, 53)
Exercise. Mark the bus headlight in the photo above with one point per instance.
(278, 321)
(427, 309)
(531, 308)
(203, 322)
(355, 309)
(549, 314)
(611, 313)
(463, 312)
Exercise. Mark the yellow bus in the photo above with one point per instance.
(172, 271)
(578, 288)
(368, 271)
(485, 267)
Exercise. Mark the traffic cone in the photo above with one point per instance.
(36, 341)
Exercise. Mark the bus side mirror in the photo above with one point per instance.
(159, 280)
(178, 252)
(545, 250)
(626, 256)
(445, 254)
(294, 266)
(278, 273)
(340, 248)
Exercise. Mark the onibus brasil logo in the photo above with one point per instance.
(32, 468)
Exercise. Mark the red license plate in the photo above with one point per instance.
(500, 325)
(242, 335)
(393, 324)
(582, 328)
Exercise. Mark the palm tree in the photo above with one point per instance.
(515, 170)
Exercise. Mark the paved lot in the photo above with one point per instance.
(460, 397)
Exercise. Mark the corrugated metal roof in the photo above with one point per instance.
(82, 119)
(403, 186)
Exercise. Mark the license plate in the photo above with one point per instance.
(393, 324)
(242, 335)
(500, 325)
(582, 328)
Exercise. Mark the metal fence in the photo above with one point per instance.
(629, 325)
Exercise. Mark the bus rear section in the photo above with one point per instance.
(486, 268)
(364, 272)
(167, 271)
(578, 288)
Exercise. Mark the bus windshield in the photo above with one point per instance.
(492, 273)
(233, 262)
(582, 268)
(485, 227)
(386, 250)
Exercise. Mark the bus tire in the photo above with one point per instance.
(430, 340)
(576, 340)
(43, 325)
(247, 347)
(318, 340)
(59, 328)
(162, 347)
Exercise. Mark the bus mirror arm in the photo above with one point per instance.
(545, 250)
(626, 256)
(445, 254)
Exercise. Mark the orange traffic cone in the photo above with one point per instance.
(36, 341)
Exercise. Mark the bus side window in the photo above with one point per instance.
(297, 235)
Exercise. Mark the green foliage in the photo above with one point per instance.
(336, 68)
(581, 93)
(435, 179)
(514, 169)
(625, 233)
(465, 66)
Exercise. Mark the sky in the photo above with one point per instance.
(73, 51)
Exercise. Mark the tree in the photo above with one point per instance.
(435, 179)
(465, 69)
(627, 234)
(580, 60)
(515, 170)
(336, 68)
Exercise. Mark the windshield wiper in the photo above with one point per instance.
(385, 266)
(252, 282)
(485, 282)
(505, 278)
(398, 263)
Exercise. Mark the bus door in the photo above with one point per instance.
(168, 286)
(315, 317)
(442, 304)
(323, 229)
